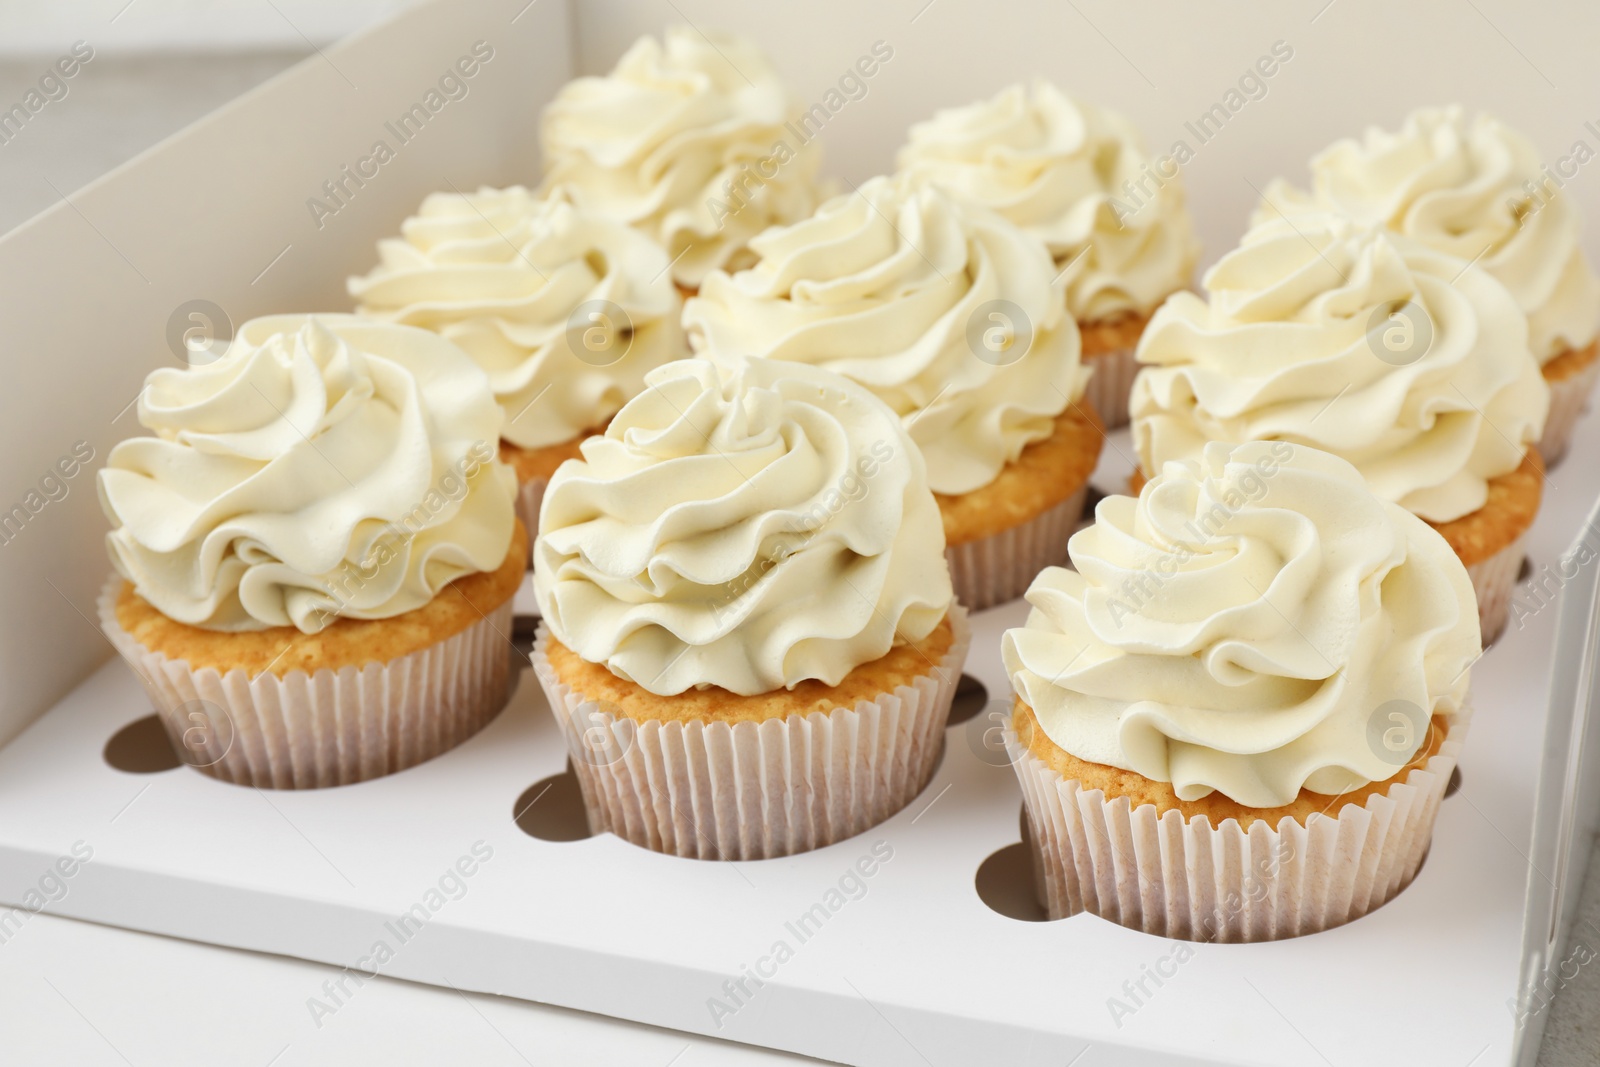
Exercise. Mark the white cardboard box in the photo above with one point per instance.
(919, 969)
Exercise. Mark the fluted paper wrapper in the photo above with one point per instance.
(1111, 383)
(999, 568)
(1191, 881)
(1494, 580)
(530, 495)
(303, 731)
(1568, 398)
(747, 790)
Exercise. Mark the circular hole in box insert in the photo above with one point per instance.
(1453, 786)
(551, 809)
(141, 747)
(971, 697)
(1005, 883)
(1525, 571)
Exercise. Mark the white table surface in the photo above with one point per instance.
(85, 994)
(77, 993)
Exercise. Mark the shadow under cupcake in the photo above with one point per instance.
(749, 641)
(1236, 719)
(316, 553)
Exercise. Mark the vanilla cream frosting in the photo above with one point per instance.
(1255, 623)
(521, 283)
(948, 313)
(748, 526)
(325, 466)
(1410, 363)
(1463, 188)
(1064, 170)
(685, 139)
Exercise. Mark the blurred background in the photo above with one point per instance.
(1165, 63)
(160, 64)
(157, 66)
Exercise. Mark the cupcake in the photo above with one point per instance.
(1476, 190)
(1408, 362)
(948, 313)
(1236, 719)
(693, 139)
(1080, 179)
(316, 552)
(565, 310)
(749, 638)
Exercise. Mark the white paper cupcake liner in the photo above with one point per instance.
(1191, 881)
(330, 728)
(1494, 580)
(1568, 398)
(1111, 383)
(747, 790)
(530, 495)
(999, 568)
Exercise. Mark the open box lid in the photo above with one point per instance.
(232, 213)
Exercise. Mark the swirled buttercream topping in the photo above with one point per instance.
(686, 140)
(1409, 363)
(748, 527)
(325, 466)
(1474, 190)
(1255, 622)
(1071, 174)
(948, 313)
(565, 310)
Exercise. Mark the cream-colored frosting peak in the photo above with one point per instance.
(1255, 623)
(325, 466)
(1057, 167)
(1472, 189)
(748, 527)
(686, 140)
(521, 283)
(1411, 364)
(947, 312)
